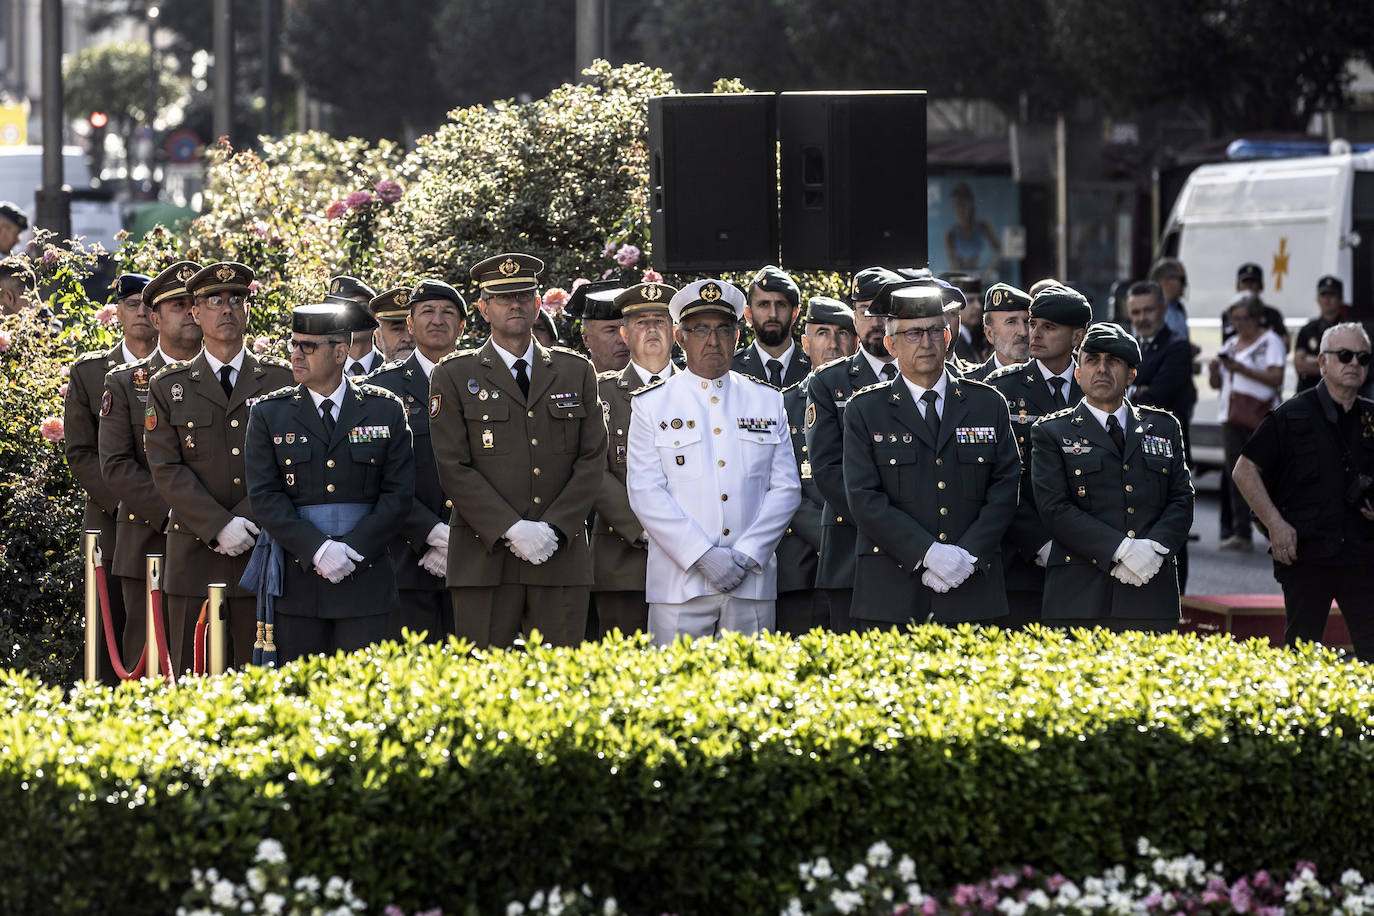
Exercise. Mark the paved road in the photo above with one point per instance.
(1215, 572)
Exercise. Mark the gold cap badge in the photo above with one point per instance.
(710, 292)
(225, 274)
(186, 273)
(509, 268)
(653, 292)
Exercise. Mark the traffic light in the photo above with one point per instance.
(98, 121)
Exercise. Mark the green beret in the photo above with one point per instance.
(868, 282)
(824, 310)
(595, 301)
(1108, 337)
(1062, 306)
(323, 318)
(1003, 297)
(920, 298)
(776, 280)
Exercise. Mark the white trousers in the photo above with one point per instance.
(709, 615)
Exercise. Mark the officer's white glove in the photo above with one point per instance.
(1123, 575)
(1141, 556)
(1042, 556)
(746, 562)
(438, 536)
(950, 562)
(529, 541)
(435, 561)
(720, 569)
(336, 561)
(931, 580)
(236, 537)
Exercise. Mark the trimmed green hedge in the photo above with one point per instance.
(692, 779)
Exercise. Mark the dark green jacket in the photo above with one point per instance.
(799, 550)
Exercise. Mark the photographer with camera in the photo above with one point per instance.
(1308, 473)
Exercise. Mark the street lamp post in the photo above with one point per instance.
(153, 13)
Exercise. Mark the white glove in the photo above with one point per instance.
(1123, 575)
(950, 562)
(720, 569)
(438, 536)
(1042, 556)
(533, 542)
(932, 581)
(335, 561)
(1141, 556)
(435, 561)
(746, 562)
(236, 537)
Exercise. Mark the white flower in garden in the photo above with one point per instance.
(222, 894)
(821, 869)
(270, 852)
(273, 904)
(1011, 907)
(334, 888)
(879, 854)
(794, 908)
(247, 906)
(804, 871)
(1352, 878)
(256, 880)
(308, 884)
(915, 896)
(906, 868)
(1038, 899)
(845, 901)
(856, 876)
(537, 901)
(1168, 903)
(610, 907)
(515, 908)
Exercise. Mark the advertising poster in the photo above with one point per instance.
(974, 224)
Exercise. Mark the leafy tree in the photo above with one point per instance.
(492, 49)
(115, 79)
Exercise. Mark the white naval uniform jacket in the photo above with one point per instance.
(710, 464)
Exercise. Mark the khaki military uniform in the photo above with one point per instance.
(142, 516)
(80, 423)
(195, 440)
(503, 457)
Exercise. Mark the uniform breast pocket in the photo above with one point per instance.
(1082, 473)
(193, 432)
(756, 453)
(566, 422)
(293, 466)
(682, 453)
(897, 469)
(489, 429)
(368, 459)
(975, 467)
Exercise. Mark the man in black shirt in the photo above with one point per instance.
(1333, 310)
(1308, 473)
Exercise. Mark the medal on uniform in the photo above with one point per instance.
(141, 377)
(190, 441)
(806, 470)
(488, 440)
(681, 460)
(620, 454)
(150, 418)
(105, 404)
(495, 395)
(906, 438)
(1082, 492)
(276, 440)
(691, 424)
(676, 424)
(473, 386)
(877, 437)
(290, 438)
(178, 393)
(482, 395)
(290, 480)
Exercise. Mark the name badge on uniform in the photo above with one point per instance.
(369, 433)
(620, 454)
(975, 435)
(806, 470)
(1075, 446)
(757, 424)
(1158, 445)
(488, 440)
(566, 400)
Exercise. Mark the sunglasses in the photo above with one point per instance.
(1360, 356)
(308, 347)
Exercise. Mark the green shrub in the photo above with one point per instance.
(692, 779)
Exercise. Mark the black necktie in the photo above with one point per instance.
(327, 415)
(653, 379)
(522, 378)
(775, 373)
(1057, 384)
(932, 418)
(889, 372)
(224, 381)
(1118, 437)
(357, 368)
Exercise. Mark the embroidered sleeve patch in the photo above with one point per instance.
(434, 405)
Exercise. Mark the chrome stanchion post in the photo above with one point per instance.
(154, 580)
(215, 618)
(90, 543)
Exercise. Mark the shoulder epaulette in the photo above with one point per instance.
(873, 387)
(179, 366)
(91, 355)
(123, 366)
(801, 383)
(608, 374)
(267, 359)
(1005, 370)
(377, 391)
(278, 393)
(1061, 412)
(649, 387)
(834, 362)
(454, 355)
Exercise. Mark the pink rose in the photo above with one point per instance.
(608, 273)
(258, 228)
(262, 345)
(555, 299)
(609, 250)
(254, 287)
(335, 210)
(106, 315)
(62, 392)
(51, 429)
(357, 199)
(50, 257)
(388, 191)
(580, 281)
(5, 345)
(627, 256)
(652, 276)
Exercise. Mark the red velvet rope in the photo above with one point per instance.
(200, 662)
(161, 632)
(110, 644)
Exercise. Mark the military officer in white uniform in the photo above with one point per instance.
(711, 477)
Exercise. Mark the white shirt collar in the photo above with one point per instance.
(337, 397)
(425, 364)
(645, 374)
(785, 358)
(236, 363)
(509, 358)
(165, 358)
(128, 354)
(875, 363)
(998, 364)
(1119, 413)
(1066, 375)
(917, 391)
(368, 360)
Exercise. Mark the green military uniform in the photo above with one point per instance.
(908, 490)
(195, 438)
(142, 517)
(801, 606)
(619, 554)
(423, 598)
(294, 463)
(80, 424)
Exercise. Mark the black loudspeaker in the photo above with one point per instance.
(853, 179)
(713, 182)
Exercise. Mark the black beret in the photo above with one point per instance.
(1330, 284)
(1003, 297)
(507, 273)
(920, 298)
(20, 269)
(595, 301)
(1111, 338)
(1062, 306)
(126, 285)
(776, 280)
(645, 296)
(437, 289)
(1250, 271)
(824, 310)
(351, 288)
(170, 284)
(11, 212)
(968, 283)
(544, 318)
(359, 315)
(323, 318)
(868, 282)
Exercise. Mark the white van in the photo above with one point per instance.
(21, 173)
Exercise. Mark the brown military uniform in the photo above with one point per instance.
(503, 457)
(142, 512)
(619, 554)
(80, 423)
(195, 439)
